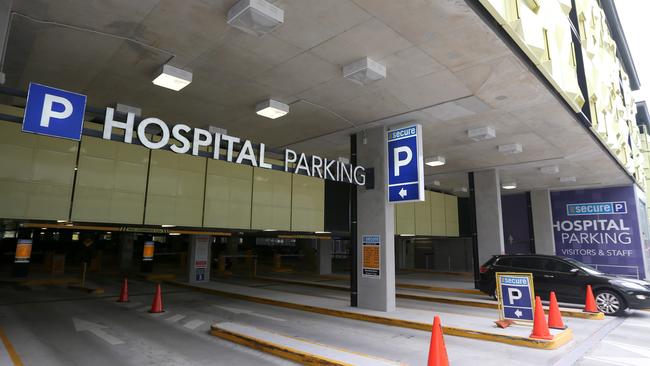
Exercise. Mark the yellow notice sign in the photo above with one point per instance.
(371, 256)
(23, 251)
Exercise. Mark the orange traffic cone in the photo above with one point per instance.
(124, 294)
(554, 315)
(590, 303)
(540, 328)
(437, 349)
(156, 305)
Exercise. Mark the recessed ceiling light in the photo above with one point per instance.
(174, 234)
(61, 221)
(435, 161)
(271, 109)
(436, 183)
(364, 71)
(168, 225)
(510, 149)
(570, 179)
(173, 78)
(481, 133)
(509, 185)
(551, 169)
(43, 228)
(270, 229)
(256, 17)
(322, 232)
(406, 234)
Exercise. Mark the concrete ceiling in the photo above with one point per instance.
(446, 69)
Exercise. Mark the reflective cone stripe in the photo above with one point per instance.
(124, 293)
(540, 328)
(590, 302)
(437, 349)
(554, 315)
(156, 305)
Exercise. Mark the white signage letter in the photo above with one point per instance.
(198, 141)
(398, 163)
(142, 128)
(231, 140)
(185, 143)
(48, 113)
(514, 294)
(288, 160)
(127, 126)
(263, 164)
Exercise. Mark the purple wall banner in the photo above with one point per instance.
(599, 227)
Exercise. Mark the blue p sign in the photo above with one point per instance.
(405, 171)
(54, 112)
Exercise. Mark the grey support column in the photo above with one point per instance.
(199, 254)
(324, 257)
(5, 26)
(489, 221)
(540, 202)
(375, 217)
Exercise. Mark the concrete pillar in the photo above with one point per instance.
(540, 203)
(232, 245)
(489, 222)
(199, 254)
(375, 217)
(324, 257)
(126, 251)
(5, 24)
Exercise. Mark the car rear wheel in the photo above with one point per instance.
(609, 302)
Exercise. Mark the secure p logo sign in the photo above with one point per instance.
(405, 168)
(54, 112)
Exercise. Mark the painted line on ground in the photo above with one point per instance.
(560, 339)
(11, 351)
(175, 318)
(193, 324)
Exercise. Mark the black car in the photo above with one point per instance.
(569, 279)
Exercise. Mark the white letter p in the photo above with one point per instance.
(48, 113)
(398, 163)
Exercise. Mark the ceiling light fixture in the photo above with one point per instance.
(256, 17)
(510, 149)
(460, 189)
(481, 133)
(364, 71)
(322, 232)
(270, 230)
(406, 234)
(61, 221)
(174, 234)
(435, 161)
(551, 169)
(570, 179)
(509, 185)
(173, 78)
(167, 225)
(271, 109)
(436, 183)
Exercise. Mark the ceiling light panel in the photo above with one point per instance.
(173, 78)
(481, 133)
(510, 149)
(364, 71)
(435, 161)
(272, 109)
(256, 17)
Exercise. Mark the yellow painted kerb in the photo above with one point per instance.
(10, 349)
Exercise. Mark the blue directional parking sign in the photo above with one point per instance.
(516, 294)
(405, 164)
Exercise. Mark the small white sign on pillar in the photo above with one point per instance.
(199, 270)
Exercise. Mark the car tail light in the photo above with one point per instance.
(483, 269)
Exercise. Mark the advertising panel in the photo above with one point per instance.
(371, 252)
(599, 227)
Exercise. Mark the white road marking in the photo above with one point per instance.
(249, 312)
(620, 361)
(175, 318)
(641, 351)
(96, 329)
(193, 324)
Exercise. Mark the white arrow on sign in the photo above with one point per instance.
(248, 312)
(96, 329)
(402, 193)
(518, 313)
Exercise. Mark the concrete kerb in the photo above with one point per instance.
(559, 340)
(463, 302)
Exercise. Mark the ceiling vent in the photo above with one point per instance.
(256, 17)
(481, 133)
(510, 149)
(364, 71)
